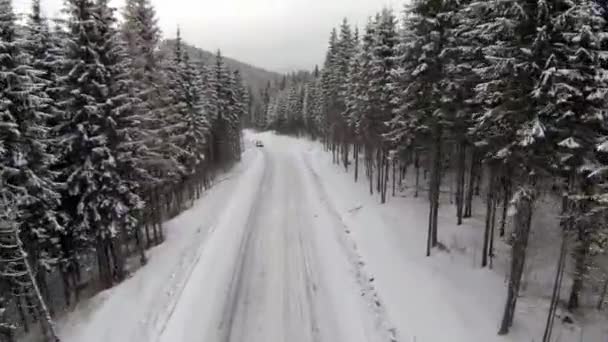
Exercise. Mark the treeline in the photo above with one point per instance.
(514, 91)
(102, 137)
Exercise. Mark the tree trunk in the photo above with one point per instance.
(489, 207)
(140, 247)
(506, 193)
(356, 157)
(521, 234)
(461, 165)
(158, 217)
(479, 178)
(49, 325)
(436, 183)
(346, 147)
(103, 263)
(22, 316)
(386, 163)
(557, 284)
(581, 251)
(66, 287)
(580, 257)
(468, 209)
(600, 303)
(394, 167)
(379, 171)
(492, 230)
(417, 166)
(370, 169)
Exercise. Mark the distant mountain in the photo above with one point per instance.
(255, 77)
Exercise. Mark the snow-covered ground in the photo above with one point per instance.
(287, 248)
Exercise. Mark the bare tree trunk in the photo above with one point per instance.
(523, 219)
(140, 247)
(600, 303)
(345, 148)
(22, 316)
(489, 210)
(557, 284)
(506, 193)
(417, 166)
(394, 166)
(580, 257)
(386, 174)
(379, 171)
(158, 217)
(49, 326)
(468, 209)
(103, 263)
(581, 251)
(118, 255)
(370, 168)
(66, 287)
(356, 157)
(461, 165)
(436, 183)
(479, 177)
(492, 230)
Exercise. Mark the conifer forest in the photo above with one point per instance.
(448, 159)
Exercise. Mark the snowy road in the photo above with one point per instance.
(286, 248)
(286, 275)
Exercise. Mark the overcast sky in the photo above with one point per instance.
(279, 35)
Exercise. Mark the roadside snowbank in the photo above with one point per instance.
(446, 297)
(137, 309)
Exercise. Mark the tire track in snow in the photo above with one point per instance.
(178, 285)
(365, 282)
(235, 291)
(302, 259)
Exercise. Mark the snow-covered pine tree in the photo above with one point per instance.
(329, 88)
(379, 90)
(353, 104)
(346, 49)
(157, 155)
(100, 198)
(228, 124)
(42, 55)
(571, 98)
(25, 154)
(241, 104)
(16, 270)
(293, 108)
(262, 120)
(190, 124)
(210, 107)
(516, 46)
(140, 36)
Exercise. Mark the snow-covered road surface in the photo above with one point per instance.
(284, 275)
(286, 248)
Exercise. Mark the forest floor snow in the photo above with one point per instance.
(288, 248)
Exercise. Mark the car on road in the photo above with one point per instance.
(259, 143)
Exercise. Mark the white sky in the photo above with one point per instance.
(279, 35)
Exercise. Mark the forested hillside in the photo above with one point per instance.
(102, 138)
(254, 77)
(506, 96)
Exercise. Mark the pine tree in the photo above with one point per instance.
(24, 132)
(41, 228)
(571, 100)
(140, 36)
(100, 198)
(378, 91)
(228, 121)
(329, 88)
